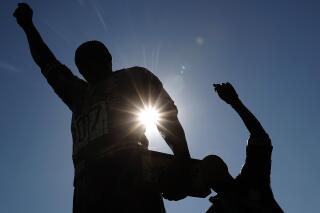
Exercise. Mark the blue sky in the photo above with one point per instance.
(269, 50)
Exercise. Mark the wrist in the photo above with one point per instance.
(259, 140)
(27, 26)
(235, 103)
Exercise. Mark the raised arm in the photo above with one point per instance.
(228, 94)
(66, 85)
(40, 52)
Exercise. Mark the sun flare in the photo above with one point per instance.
(149, 117)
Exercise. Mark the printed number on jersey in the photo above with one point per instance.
(91, 125)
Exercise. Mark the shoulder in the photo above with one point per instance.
(137, 72)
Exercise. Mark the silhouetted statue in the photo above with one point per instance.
(250, 191)
(106, 134)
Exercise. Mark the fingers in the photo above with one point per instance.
(22, 7)
(23, 4)
(218, 87)
(226, 84)
(23, 14)
(224, 89)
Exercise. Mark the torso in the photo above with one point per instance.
(106, 115)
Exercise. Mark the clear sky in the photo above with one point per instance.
(268, 49)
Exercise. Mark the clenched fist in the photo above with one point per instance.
(226, 92)
(23, 15)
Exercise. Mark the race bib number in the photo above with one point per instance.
(91, 125)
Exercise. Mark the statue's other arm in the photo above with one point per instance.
(170, 127)
(228, 94)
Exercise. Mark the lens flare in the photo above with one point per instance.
(149, 117)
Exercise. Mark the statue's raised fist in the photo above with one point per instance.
(23, 14)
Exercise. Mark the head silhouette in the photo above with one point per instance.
(93, 61)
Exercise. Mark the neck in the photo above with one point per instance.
(100, 78)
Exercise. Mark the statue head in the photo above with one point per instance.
(93, 61)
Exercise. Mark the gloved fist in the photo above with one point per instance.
(226, 92)
(23, 15)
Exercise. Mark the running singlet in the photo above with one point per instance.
(104, 118)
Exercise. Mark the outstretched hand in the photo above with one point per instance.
(23, 15)
(226, 92)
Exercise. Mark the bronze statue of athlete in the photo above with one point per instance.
(105, 130)
(107, 136)
(250, 191)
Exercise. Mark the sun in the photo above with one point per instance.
(149, 117)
